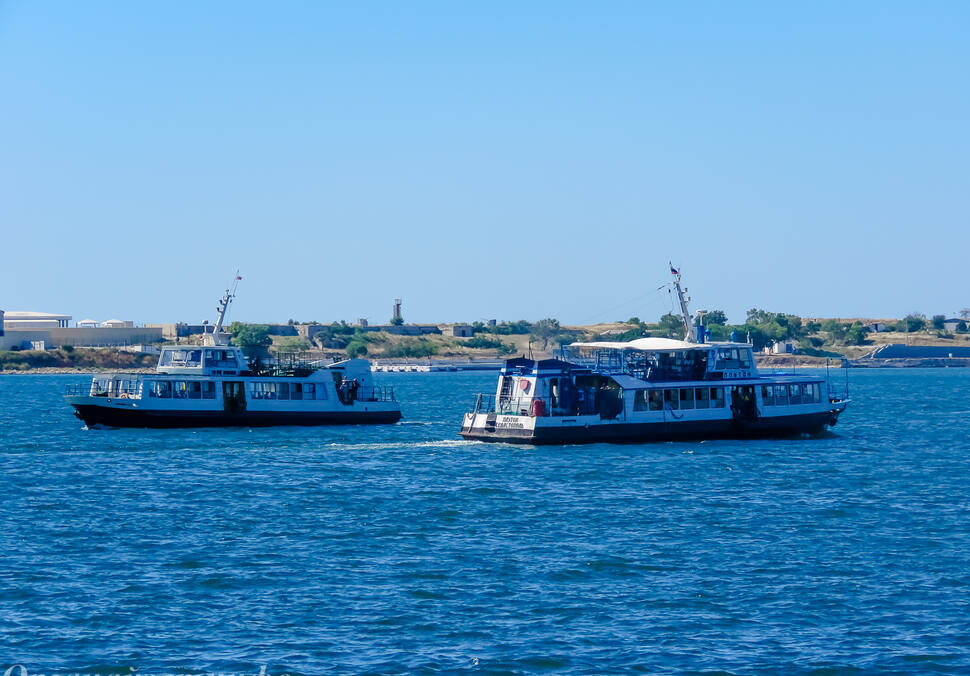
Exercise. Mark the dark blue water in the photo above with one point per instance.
(403, 549)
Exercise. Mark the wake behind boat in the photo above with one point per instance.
(649, 389)
(213, 385)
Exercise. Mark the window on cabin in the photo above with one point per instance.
(795, 394)
(296, 391)
(283, 390)
(717, 397)
(208, 390)
(670, 400)
(640, 400)
(781, 395)
(687, 398)
(311, 391)
(181, 358)
(812, 391)
(161, 389)
(195, 390)
(702, 397)
(180, 389)
(655, 399)
(264, 391)
(767, 395)
(745, 360)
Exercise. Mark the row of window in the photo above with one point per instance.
(713, 397)
(192, 358)
(729, 358)
(195, 389)
(181, 389)
(284, 391)
(678, 398)
(783, 395)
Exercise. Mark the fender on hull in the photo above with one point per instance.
(646, 432)
(113, 417)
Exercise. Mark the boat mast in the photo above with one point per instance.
(218, 337)
(691, 330)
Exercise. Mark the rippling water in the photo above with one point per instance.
(402, 548)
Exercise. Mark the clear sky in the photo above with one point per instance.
(483, 160)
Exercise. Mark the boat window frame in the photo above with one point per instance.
(686, 398)
(671, 398)
(706, 398)
(640, 400)
(717, 395)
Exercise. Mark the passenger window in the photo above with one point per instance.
(656, 400)
(284, 389)
(781, 395)
(640, 400)
(670, 400)
(767, 395)
(208, 390)
(687, 398)
(308, 391)
(795, 392)
(717, 397)
(703, 396)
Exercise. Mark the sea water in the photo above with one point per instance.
(402, 548)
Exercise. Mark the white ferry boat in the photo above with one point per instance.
(213, 385)
(650, 389)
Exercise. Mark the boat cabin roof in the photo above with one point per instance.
(657, 345)
(524, 366)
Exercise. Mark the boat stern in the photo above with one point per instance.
(498, 427)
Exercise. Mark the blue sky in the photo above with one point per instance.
(490, 160)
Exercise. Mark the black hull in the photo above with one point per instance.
(785, 426)
(114, 417)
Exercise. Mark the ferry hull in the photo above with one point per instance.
(125, 417)
(620, 432)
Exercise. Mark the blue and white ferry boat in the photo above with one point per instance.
(213, 385)
(649, 389)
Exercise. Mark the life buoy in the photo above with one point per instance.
(538, 408)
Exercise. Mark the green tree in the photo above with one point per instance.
(836, 330)
(543, 330)
(356, 348)
(914, 322)
(253, 339)
(856, 334)
(671, 326)
(396, 321)
(938, 322)
(715, 317)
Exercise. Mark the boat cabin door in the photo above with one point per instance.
(743, 405)
(233, 397)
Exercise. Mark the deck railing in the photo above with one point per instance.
(532, 406)
(104, 389)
